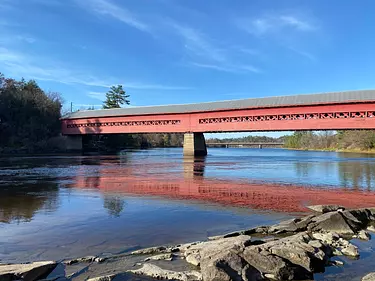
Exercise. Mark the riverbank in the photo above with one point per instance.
(372, 151)
(297, 249)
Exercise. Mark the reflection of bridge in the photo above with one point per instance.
(129, 180)
(332, 111)
(245, 144)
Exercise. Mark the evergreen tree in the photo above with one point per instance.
(116, 97)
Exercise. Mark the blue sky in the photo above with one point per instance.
(185, 51)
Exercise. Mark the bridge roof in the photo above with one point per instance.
(279, 101)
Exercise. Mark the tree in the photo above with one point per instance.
(29, 116)
(116, 97)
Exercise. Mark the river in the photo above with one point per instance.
(71, 206)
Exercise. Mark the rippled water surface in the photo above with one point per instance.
(62, 207)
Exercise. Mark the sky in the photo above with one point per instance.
(187, 51)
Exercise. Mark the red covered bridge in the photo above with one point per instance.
(327, 111)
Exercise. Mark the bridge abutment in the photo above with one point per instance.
(194, 144)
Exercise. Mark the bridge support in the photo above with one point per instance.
(194, 144)
(73, 143)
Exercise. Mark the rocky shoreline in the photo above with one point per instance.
(291, 250)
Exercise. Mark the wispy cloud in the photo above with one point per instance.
(30, 67)
(275, 23)
(296, 23)
(198, 44)
(229, 68)
(108, 8)
(305, 54)
(96, 95)
(204, 53)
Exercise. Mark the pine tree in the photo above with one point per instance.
(116, 97)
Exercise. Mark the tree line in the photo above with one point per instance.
(328, 140)
(255, 139)
(29, 116)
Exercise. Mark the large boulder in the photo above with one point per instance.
(272, 265)
(195, 252)
(26, 272)
(293, 257)
(331, 222)
(228, 266)
(325, 208)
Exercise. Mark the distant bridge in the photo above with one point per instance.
(245, 144)
(330, 111)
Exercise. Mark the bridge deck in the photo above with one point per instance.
(269, 102)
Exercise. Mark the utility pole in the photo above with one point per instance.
(71, 107)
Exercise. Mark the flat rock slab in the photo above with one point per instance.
(27, 272)
(159, 273)
(194, 253)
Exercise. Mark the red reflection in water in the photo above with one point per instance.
(264, 196)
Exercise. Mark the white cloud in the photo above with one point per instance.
(107, 8)
(274, 24)
(204, 54)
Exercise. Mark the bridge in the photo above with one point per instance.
(327, 111)
(244, 144)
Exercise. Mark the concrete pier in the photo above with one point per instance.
(194, 144)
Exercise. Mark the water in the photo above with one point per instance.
(64, 207)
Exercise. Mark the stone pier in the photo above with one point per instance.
(194, 144)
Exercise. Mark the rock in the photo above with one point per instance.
(194, 253)
(339, 245)
(330, 222)
(357, 219)
(27, 272)
(288, 258)
(293, 225)
(369, 277)
(325, 208)
(363, 235)
(350, 250)
(103, 278)
(159, 273)
(193, 259)
(152, 250)
(100, 259)
(298, 250)
(267, 263)
(327, 238)
(363, 215)
(228, 266)
(84, 259)
(371, 228)
(167, 257)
